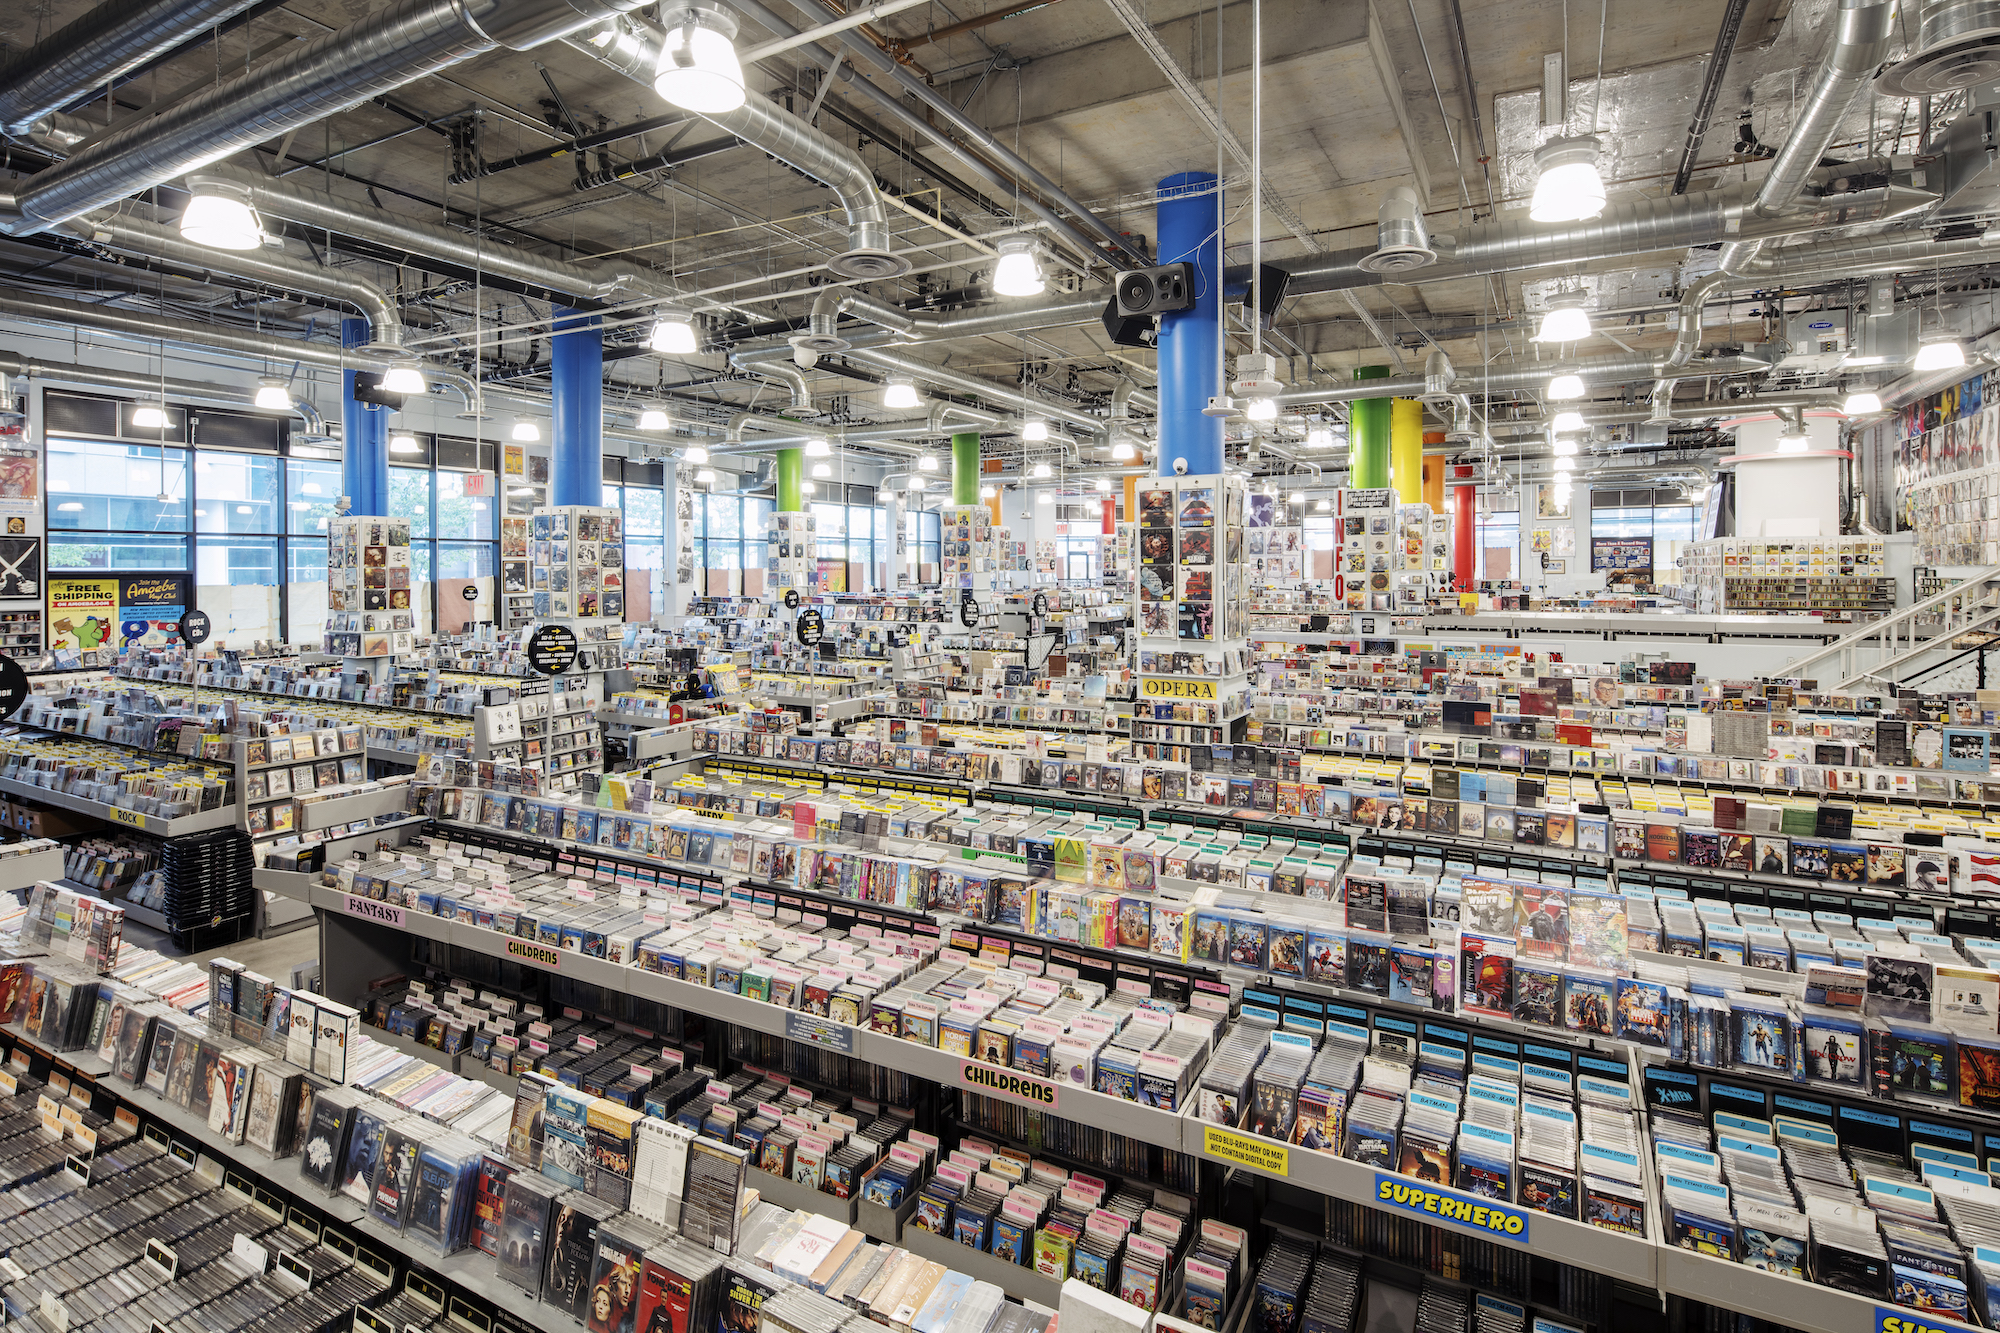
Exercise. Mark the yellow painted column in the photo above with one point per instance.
(1434, 473)
(1406, 449)
(1131, 497)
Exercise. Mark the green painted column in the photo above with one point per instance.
(1368, 435)
(791, 470)
(965, 468)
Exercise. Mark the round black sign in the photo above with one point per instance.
(195, 628)
(1041, 604)
(553, 649)
(810, 627)
(791, 599)
(13, 686)
(470, 592)
(968, 611)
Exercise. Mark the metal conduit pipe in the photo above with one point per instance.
(1511, 375)
(300, 203)
(1812, 400)
(786, 434)
(925, 371)
(1086, 242)
(186, 391)
(385, 50)
(100, 47)
(938, 423)
(790, 376)
(132, 236)
(631, 46)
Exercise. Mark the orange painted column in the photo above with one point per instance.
(1434, 473)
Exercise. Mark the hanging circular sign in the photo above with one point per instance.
(791, 599)
(13, 686)
(1041, 604)
(470, 592)
(968, 611)
(810, 627)
(553, 649)
(195, 628)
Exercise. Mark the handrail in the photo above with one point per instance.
(1894, 639)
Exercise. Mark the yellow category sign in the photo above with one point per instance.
(1153, 688)
(123, 816)
(1245, 1150)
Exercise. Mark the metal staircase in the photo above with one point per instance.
(1881, 653)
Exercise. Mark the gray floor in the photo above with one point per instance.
(274, 958)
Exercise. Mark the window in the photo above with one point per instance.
(1499, 535)
(250, 526)
(921, 528)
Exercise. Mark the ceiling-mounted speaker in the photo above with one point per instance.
(1154, 291)
(1129, 330)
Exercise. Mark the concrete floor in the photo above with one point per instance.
(274, 958)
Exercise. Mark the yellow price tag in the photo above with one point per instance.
(120, 815)
(1246, 1150)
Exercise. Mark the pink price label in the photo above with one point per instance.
(370, 909)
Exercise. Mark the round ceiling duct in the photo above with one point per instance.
(1958, 46)
(1401, 242)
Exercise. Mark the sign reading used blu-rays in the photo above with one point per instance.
(1464, 1210)
(994, 1081)
(1246, 1150)
(372, 910)
(823, 1032)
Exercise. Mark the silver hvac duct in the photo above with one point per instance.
(632, 47)
(790, 376)
(388, 49)
(931, 373)
(1510, 375)
(100, 47)
(349, 217)
(1068, 219)
(785, 434)
(1860, 41)
(186, 391)
(1629, 227)
(823, 332)
(131, 236)
(1808, 399)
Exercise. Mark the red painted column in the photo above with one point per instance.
(1464, 528)
(1110, 517)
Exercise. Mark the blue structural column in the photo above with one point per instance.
(364, 437)
(1187, 206)
(576, 470)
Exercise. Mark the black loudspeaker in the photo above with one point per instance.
(1155, 291)
(368, 389)
(1129, 330)
(1271, 290)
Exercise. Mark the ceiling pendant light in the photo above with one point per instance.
(1564, 467)
(1565, 385)
(1567, 321)
(1566, 421)
(694, 453)
(673, 333)
(1262, 409)
(900, 391)
(1940, 351)
(654, 417)
(1034, 430)
(150, 416)
(1103, 484)
(1860, 403)
(1325, 506)
(404, 378)
(822, 470)
(817, 447)
(698, 69)
(706, 477)
(987, 492)
(918, 483)
(273, 396)
(402, 442)
(1039, 471)
(526, 430)
(1563, 448)
(1793, 440)
(1017, 272)
(1045, 497)
(1319, 437)
(927, 463)
(1122, 451)
(1568, 188)
(808, 488)
(219, 215)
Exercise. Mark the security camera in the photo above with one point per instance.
(1180, 467)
